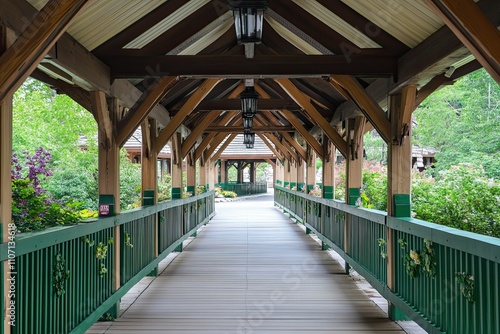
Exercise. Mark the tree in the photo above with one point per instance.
(462, 122)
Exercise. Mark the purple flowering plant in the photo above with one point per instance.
(33, 208)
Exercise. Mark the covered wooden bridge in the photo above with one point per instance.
(307, 77)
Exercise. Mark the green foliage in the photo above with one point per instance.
(461, 197)
(126, 237)
(466, 285)
(416, 260)
(462, 122)
(374, 190)
(59, 275)
(229, 194)
(382, 244)
(164, 188)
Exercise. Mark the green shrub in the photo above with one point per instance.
(229, 194)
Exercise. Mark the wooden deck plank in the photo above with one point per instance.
(251, 270)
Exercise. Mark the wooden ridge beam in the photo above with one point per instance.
(299, 149)
(262, 65)
(22, 57)
(303, 132)
(302, 100)
(235, 104)
(368, 106)
(473, 28)
(188, 144)
(141, 109)
(186, 109)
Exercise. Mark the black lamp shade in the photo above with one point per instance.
(248, 138)
(247, 123)
(249, 100)
(248, 20)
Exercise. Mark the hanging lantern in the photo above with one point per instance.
(248, 138)
(247, 123)
(248, 20)
(249, 99)
(249, 145)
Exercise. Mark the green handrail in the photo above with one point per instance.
(446, 280)
(64, 280)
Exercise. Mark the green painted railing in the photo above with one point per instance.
(65, 275)
(455, 288)
(246, 188)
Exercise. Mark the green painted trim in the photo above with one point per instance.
(300, 186)
(402, 205)
(279, 182)
(286, 184)
(328, 192)
(293, 184)
(176, 193)
(191, 189)
(310, 187)
(354, 194)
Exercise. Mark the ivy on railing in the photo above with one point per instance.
(59, 275)
(424, 259)
(466, 284)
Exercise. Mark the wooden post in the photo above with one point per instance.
(253, 171)
(149, 178)
(398, 175)
(7, 38)
(223, 171)
(300, 175)
(177, 187)
(293, 174)
(211, 174)
(109, 171)
(202, 174)
(191, 173)
(354, 159)
(286, 173)
(328, 170)
(310, 169)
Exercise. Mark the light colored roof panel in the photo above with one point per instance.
(238, 148)
(295, 40)
(409, 21)
(166, 24)
(337, 24)
(101, 20)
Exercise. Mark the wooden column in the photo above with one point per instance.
(253, 171)
(286, 173)
(223, 171)
(310, 169)
(328, 170)
(149, 163)
(177, 187)
(191, 173)
(211, 174)
(202, 174)
(6, 39)
(354, 159)
(300, 175)
(239, 175)
(293, 174)
(109, 170)
(398, 174)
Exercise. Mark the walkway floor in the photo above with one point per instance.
(251, 270)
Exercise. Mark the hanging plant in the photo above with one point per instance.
(59, 275)
(466, 284)
(86, 240)
(382, 244)
(126, 237)
(414, 260)
(100, 253)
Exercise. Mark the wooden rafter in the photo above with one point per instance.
(149, 99)
(303, 132)
(219, 138)
(228, 118)
(223, 147)
(297, 95)
(473, 28)
(299, 149)
(402, 124)
(368, 106)
(286, 150)
(19, 61)
(239, 129)
(271, 147)
(198, 131)
(186, 109)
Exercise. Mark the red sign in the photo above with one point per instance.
(103, 209)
